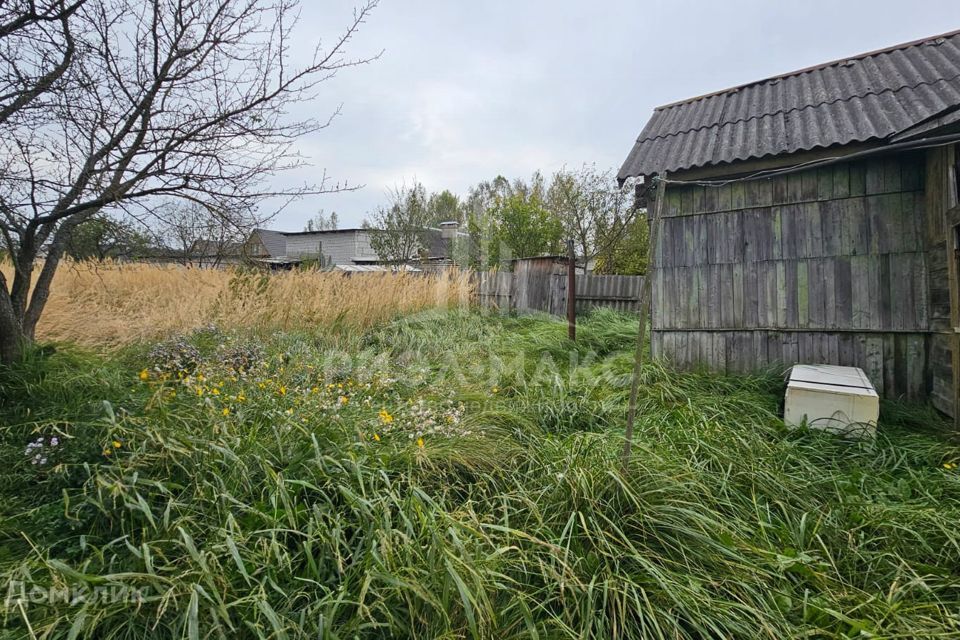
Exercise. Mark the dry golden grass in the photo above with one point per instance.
(109, 305)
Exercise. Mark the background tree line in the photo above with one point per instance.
(501, 219)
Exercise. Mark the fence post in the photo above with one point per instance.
(571, 293)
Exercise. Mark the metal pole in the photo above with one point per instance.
(644, 318)
(571, 293)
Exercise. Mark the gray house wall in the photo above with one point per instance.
(823, 266)
(340, 247)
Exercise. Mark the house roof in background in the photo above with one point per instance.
(871, 96)
(273, 241)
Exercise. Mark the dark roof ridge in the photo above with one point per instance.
(824, 65)
(787, 112)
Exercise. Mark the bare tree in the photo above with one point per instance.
(400, 231)
(181, 98)
(200, 237)
(595, 211)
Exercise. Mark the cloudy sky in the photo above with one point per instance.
(465, 91)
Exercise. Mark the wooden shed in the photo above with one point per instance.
(812, 218)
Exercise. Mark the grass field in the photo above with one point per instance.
(449, 474)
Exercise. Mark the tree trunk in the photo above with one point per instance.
(11, 331)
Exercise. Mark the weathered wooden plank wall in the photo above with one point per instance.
(523, 291)
(826, 265)
(941, 198)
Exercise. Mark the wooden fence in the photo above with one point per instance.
(534, 291)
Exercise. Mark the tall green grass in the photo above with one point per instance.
(263, 525)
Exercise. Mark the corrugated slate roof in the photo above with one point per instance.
(275, 242)
(867, 97)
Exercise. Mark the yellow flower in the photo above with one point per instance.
(376, 437)
(496, 389)
(144, 375)
(420, 442)
(117, 444)
(225, 411)
(289, 412)
(344, 400)
(215, 391)
(241, 397)
(282, 390)
(385, 417)
(200, 377)
(107, 451)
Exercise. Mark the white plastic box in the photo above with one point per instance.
(837, 399)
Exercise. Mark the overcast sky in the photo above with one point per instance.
(465, 91)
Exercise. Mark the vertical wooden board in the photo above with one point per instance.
(791, 288)
(882, 294)
(781, 293)
(698, 200)
(814, 230)
(891, 173)
(715, 240)
(810, 186)
(715, 313)
(703, 295)
(831, 229)
(724, 198)
(759, 350)
(803, 294)
(727, 320)
(672, 205)
(686, 200)
(889, 371)
(847, 351)
(739, 305)
(911, 238)
(859, 302)
(749, 218)
(815, 298)
(874, 177)
(737, 196)
(711, 199)
(921, 300)
(772, 301)
(843, 293)
(828, 291)
(765, 192)
(792, 348)
(735, 228)
(841, 181)
(900, 374)
(718, 355)
(750, 295)
(776, 221)
(916, 366)
(911, 172)
(873, 360)
(700, 238)
(807, 354)
(860, 226)
(780, 190)
(833, 344)
(752, 193)
(794, 187)
(689, 241)
(858, 179)
(825, 183)
(872, 287)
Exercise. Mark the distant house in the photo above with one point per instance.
(813, 217)
(339, 246)
(334, 247)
